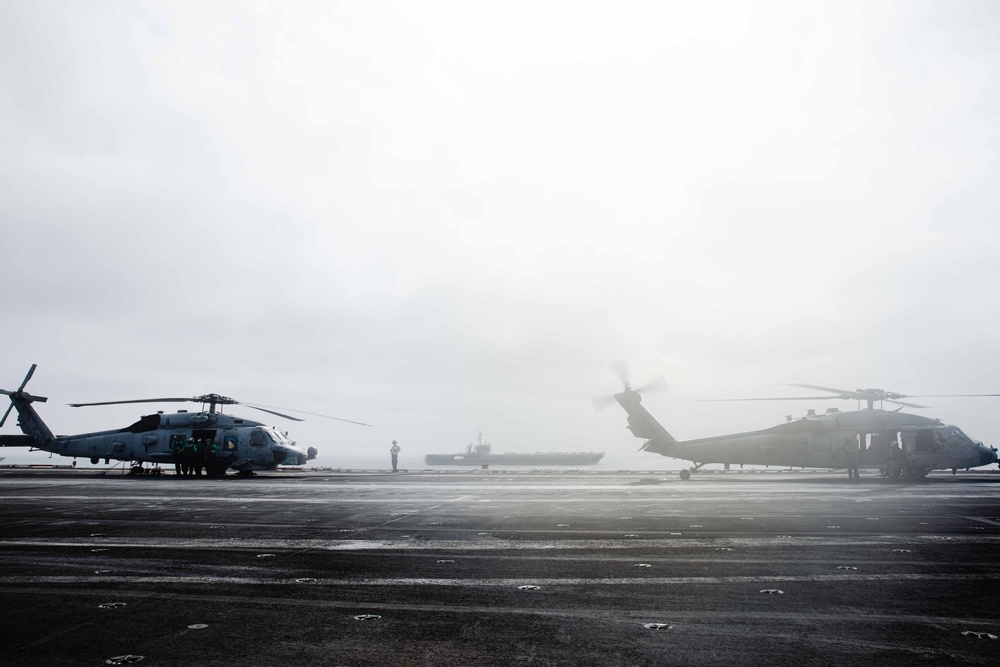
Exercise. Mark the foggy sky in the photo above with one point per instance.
(438, 217)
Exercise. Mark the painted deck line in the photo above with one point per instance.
(492, 543)
(498, 583)
(694, 618)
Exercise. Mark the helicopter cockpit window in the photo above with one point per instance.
(257, 438)
(146, 423)
(955, 436)
(277, 436)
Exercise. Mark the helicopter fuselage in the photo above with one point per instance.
(227, 441)
(899, 443)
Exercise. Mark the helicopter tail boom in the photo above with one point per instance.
(643, 425)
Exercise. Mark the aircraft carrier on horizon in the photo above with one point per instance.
(481, 453)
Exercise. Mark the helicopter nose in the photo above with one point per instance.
(289, 456)
(987, 455)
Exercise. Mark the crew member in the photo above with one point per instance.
(176, 444)
(394, 451)
(896, 459)
(199, 457)
(187, 457)
(851, 458)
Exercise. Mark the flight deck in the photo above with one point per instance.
(499, 568)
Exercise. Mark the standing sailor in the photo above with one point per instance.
(394, 451)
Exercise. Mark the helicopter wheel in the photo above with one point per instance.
(685, 474)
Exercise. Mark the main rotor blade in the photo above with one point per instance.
(296, 419)
(9, 408)
(620, 369)
(138, 400)
(842, 392)
(947, 395)
(769, 398)
(909, 405)
(31, 371)
(306, 412)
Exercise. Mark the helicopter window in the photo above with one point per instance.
(147, 423)
(277, 436)
(257, 438)
(926, 440)
(956, 436)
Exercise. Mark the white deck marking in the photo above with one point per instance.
(499, 583)
(490, 542)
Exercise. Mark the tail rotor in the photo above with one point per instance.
(20, 394)
(621, 371)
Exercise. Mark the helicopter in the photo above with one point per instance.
(899, 444)
(227, 442)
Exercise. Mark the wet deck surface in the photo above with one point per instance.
(278, 568)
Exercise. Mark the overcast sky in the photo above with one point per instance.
(437, 217)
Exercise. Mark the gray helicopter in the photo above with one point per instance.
(206, 439)
(898, 444)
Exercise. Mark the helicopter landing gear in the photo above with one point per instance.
(686, 473)
(138, 470)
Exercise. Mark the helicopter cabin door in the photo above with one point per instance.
(206, 436)
(258, 446)
(923, 448)
(820, 449)
(927, 441)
